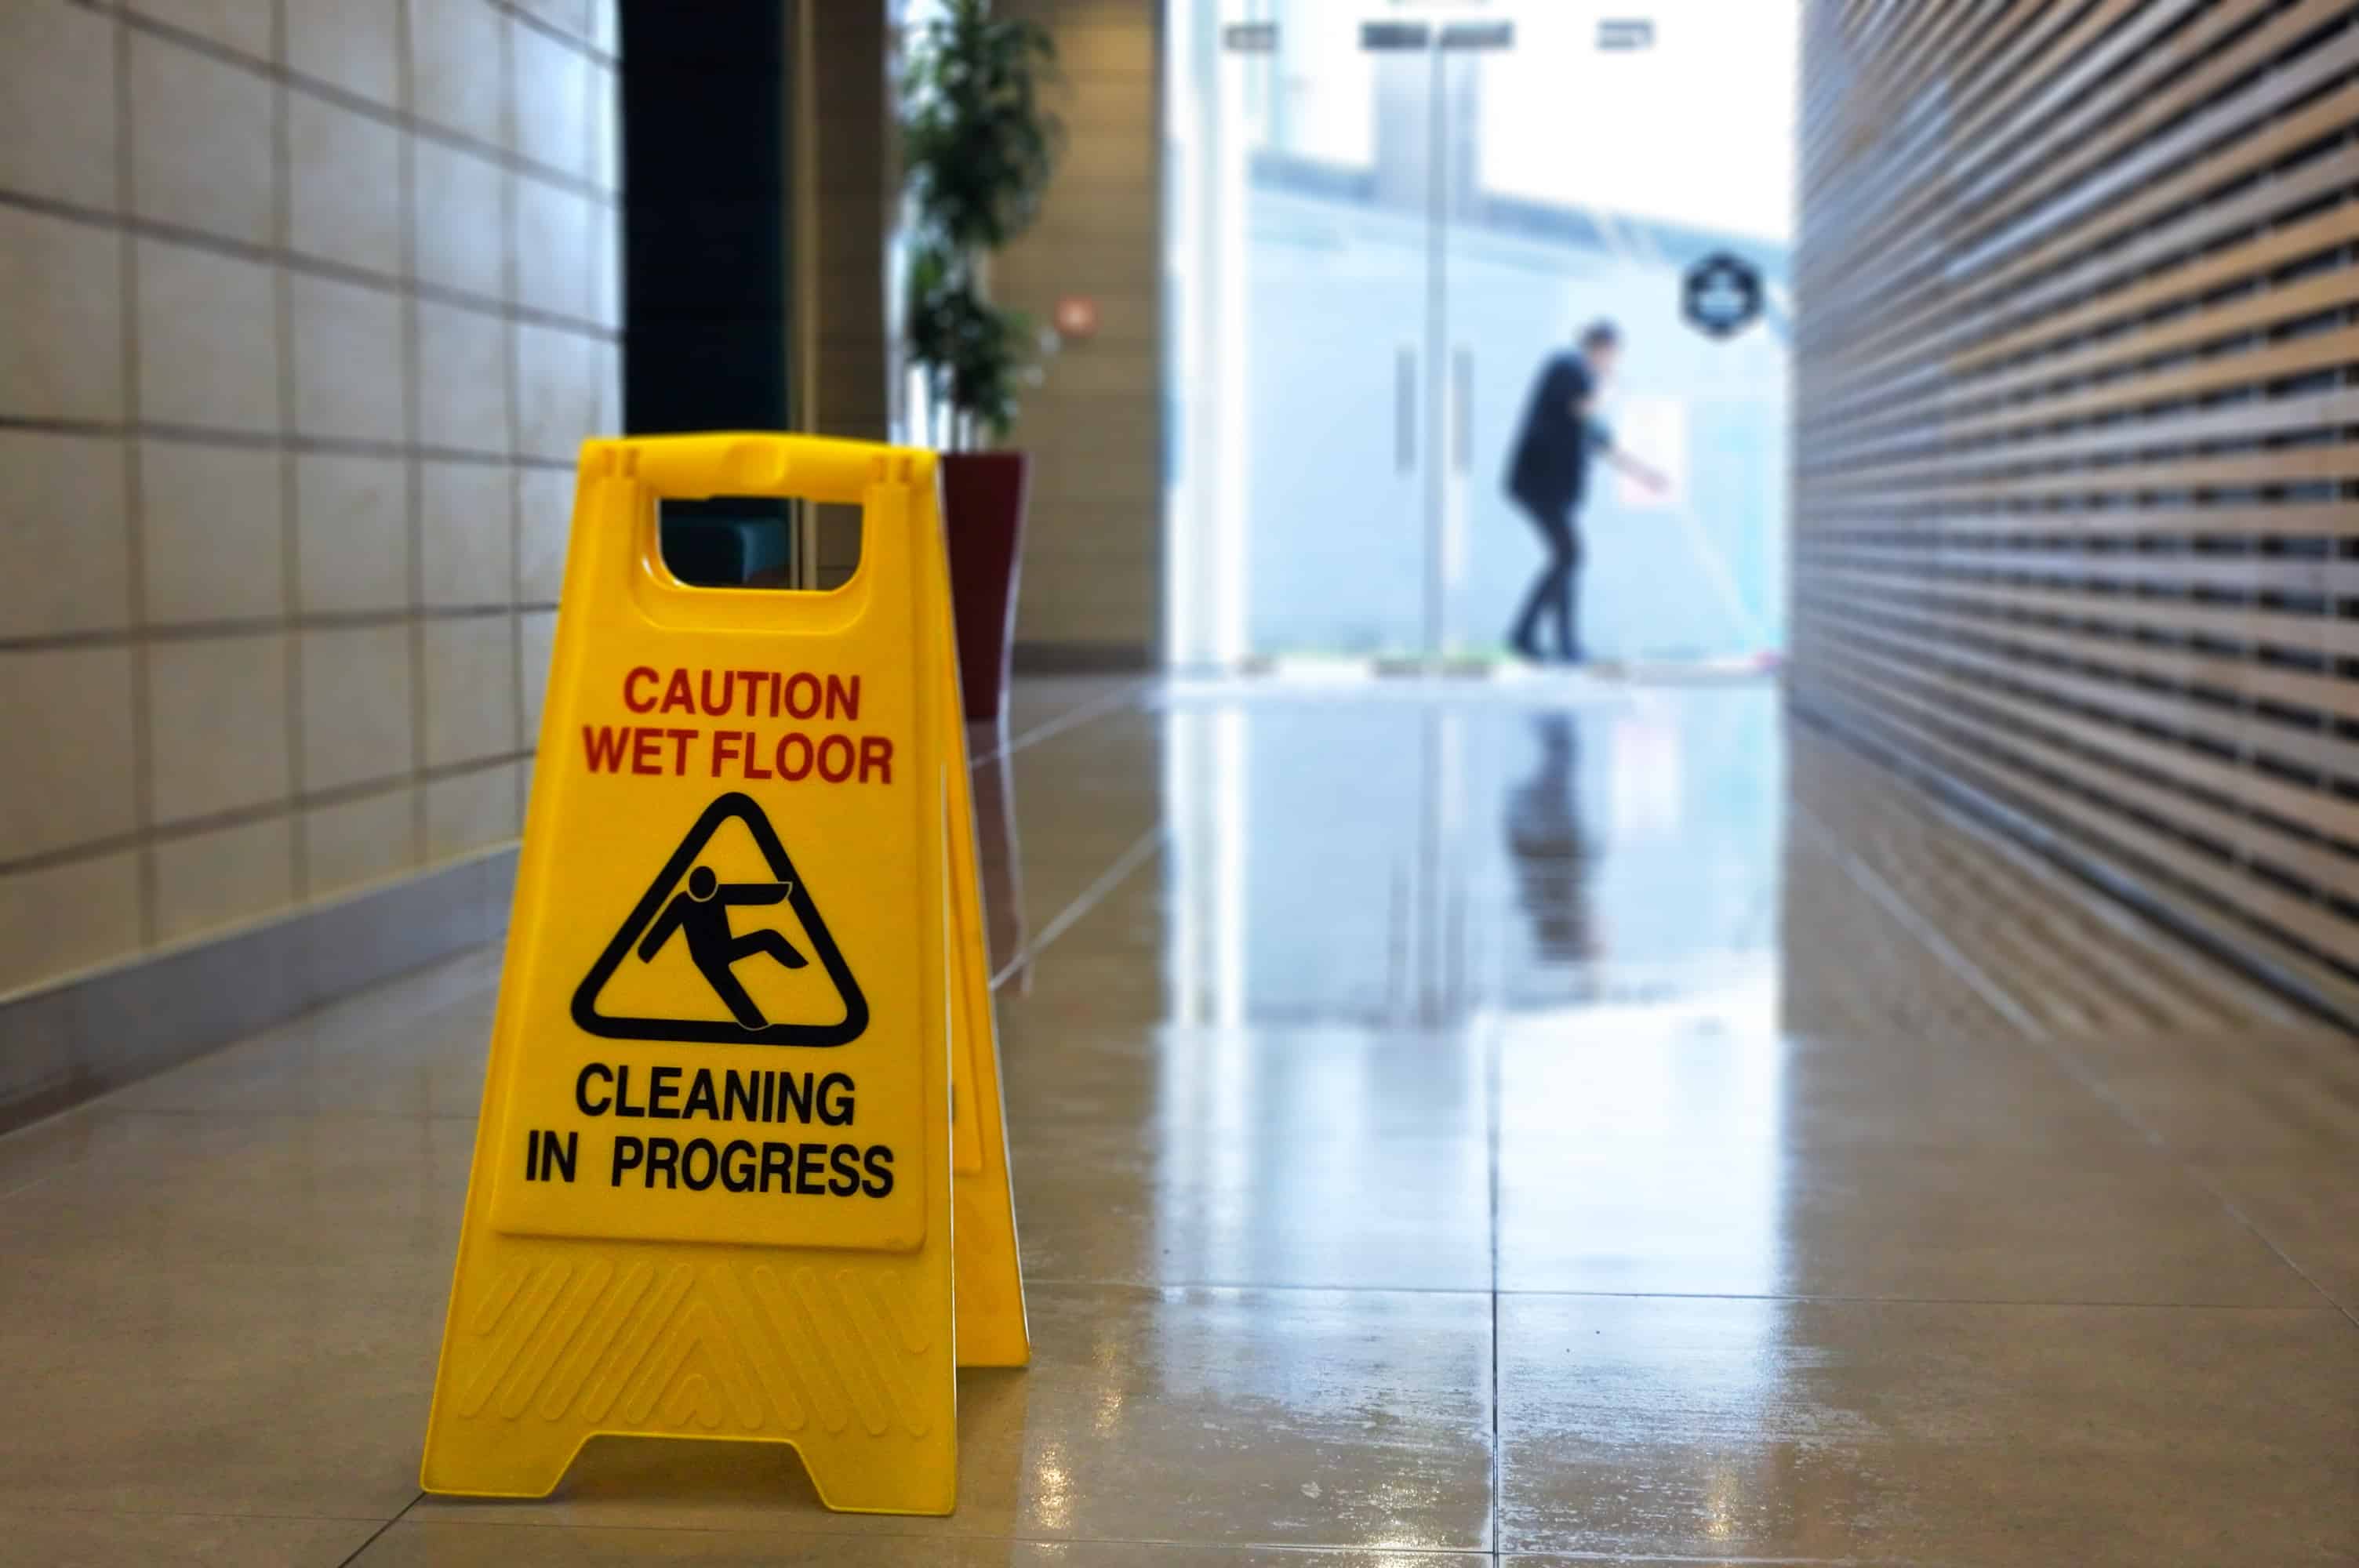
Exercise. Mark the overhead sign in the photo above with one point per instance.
(1389, 37)
(1626, 33)
(744, 1090)
(1478, 35)
(1721, 294)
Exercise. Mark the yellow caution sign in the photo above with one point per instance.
(742, 1171)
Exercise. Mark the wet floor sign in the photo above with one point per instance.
(740, 1170)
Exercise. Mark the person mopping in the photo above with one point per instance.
(1548, 476)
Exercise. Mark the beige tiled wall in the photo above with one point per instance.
(1093, 562)
(304, 305)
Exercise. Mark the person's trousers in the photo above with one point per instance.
(1556, 588)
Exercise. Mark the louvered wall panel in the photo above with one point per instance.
(2077, 462)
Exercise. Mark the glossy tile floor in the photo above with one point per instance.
(1553, 1122)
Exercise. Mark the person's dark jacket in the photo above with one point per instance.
(1549, 470)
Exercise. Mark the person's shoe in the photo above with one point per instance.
(1526, 650)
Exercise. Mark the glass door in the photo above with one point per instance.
(1592, 175)
(1322, 244)
(1384, 218)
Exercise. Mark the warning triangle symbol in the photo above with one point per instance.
(683, 921)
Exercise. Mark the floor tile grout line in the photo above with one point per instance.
(275, 1514)
(1142, 850)
(1477, 1293)
(770, 1527)
(1062, 724)
(358, 1552)
(1624, 1559)
(1880, 891)
(1493, 1116)
(1072, 717)
(1869, 882)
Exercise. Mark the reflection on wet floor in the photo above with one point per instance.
(1409, 863)
(1577, 1121)
(1552, 858)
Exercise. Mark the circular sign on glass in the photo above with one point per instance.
(1721, 294)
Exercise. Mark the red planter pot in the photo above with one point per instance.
(982, 513)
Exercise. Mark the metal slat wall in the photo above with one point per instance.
(2077, 460)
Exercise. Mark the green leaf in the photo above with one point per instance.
(979, 147)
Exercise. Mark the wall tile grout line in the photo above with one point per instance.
(250, 440)
(513, 258)
(290, 531)
(329, 92)
(247, 626)
(126, 458)
(511, 400)
(143, 761)
(281, 254)
(243, 816)
(413, 471)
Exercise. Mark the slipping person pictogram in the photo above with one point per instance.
(693, 900)
(700, 915)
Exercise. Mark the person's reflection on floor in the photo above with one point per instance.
(1552, 860)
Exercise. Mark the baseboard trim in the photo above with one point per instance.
(64, 1043)
(1083, 658)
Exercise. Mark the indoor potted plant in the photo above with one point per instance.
(978, 149)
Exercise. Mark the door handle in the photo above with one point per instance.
(1405, 409)
(1462, 400)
